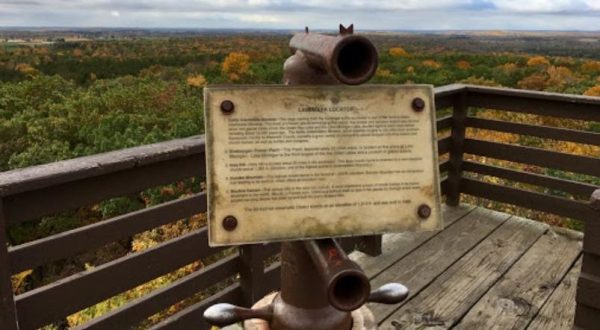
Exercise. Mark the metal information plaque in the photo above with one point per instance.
(308, 162)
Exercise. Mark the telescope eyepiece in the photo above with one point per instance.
(349, 290)
(346, 58)
(355, 60)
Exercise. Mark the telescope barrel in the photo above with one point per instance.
(347, 285)
(350, 59)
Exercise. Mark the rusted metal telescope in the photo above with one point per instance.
(321, 288)
(317, 279)
(322, 59)
(346, 284)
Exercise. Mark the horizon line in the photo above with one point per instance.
(281, 29)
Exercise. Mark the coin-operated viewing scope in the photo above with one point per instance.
(321, 287)
(323, 59)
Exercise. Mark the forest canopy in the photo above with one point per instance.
(61, 99)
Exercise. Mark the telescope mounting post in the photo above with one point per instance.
(321, 288)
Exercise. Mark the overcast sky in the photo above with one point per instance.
(295, 14)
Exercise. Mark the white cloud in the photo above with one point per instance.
(593, 4)
(292, 14)
(256, 18)
(544, 6)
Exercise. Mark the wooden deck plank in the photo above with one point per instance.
(396, 246)
(559, 310)
(516, 298)
(423, 265)
(447, 299)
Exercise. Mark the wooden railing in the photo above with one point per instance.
(462, 180)
(242, 275)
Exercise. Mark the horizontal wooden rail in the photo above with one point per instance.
(554, 133)
(445, 96)
(82, 192)
(534, 156)
(85, 238)
(57, 173)
(537, 103)
(586, 317)
(269, 250)
(272, 275)
(50, 303)
(445, 166)
(589, 288)
(138, 310)
(573, 187)
(444, 123)
(444, 145)
(531, 200)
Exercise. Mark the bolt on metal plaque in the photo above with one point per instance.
(303, 162)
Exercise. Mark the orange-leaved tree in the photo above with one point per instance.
(398, 52)
(196, 80)
(539, 61)
(463, 65)
(509, 67)
(593, 91)
(26, 69)
(537, 82)
(236, 65)
(560, 76)
(591, 67)
(431, 64)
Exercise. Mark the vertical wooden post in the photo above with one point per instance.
(459, 116)
(8, 311)
(587, 313)
(371, 245)
(251, 274)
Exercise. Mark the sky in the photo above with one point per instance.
(317, 14)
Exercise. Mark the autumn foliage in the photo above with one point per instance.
(463, 65)
(591, 67)
(236, 65)
(74, 99)
(196, 80)
(593, 91)
(538, 61)
(398, 52)
(432, 64)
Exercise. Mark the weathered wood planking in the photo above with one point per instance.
(450, 296)
(518, 296)
(419, 268)
(558, 312)
(396, 246)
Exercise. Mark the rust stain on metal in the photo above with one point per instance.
(418, 104)
(230, 223)
(424, 211)
(227, 107)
